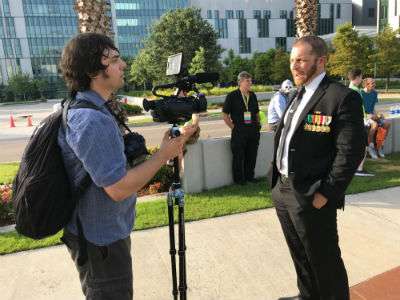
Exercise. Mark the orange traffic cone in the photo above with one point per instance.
(12, 123)
(29, 121)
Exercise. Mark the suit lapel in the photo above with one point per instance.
(318, 94)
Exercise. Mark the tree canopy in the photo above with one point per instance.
(181, 30)
(350, 51)
(387, 56)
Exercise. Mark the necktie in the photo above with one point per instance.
(286, 126)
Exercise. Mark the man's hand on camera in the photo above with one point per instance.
(193, 137)
(188, 130)
(171, 147)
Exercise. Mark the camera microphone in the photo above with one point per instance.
(202, 77)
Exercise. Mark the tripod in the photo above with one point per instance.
(176, 196)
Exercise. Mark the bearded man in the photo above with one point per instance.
(318, 146)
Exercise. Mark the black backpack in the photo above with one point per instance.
(43, 197)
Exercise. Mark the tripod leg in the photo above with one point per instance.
(182, 251)
(172, 244)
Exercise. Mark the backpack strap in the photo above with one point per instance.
(85, 182)
(119, 120)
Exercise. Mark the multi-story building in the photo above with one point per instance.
(33, 32)
(132, 20)
(388, 14)
(364, 12)
(266, 24)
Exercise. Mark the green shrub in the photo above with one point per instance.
(164, 175)
(132, 110)
(6, 208)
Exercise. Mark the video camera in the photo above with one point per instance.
(176, 109)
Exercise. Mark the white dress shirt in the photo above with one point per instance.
(276, 108)
(310, 89)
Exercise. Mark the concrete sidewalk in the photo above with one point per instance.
(242, 256)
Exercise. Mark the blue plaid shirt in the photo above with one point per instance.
(93, 144)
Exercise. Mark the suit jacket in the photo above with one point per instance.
(322, 159)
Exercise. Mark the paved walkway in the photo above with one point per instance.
(242, 256)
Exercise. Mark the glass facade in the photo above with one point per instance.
(49, 26)
(11, 45)
(134, 18)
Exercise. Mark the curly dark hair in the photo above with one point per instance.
(81, 59)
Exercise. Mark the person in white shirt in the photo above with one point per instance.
(318, 145)
(278, 104)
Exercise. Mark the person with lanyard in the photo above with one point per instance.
(241, 114)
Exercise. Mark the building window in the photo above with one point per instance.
(280, 42)
(216, 14)
(221, 26)
(127, 22)
(126, 6)
(325, 26)
(338, 10)
(239, 14)
(283, 14)
(331, 10)
(257, 14)
(209, 14)
(244, 45)
(267, 14)
(6, 8)
(242, 28)
(371, 12)
(290, 27)
(291, 15)
(263, 28)
(229, 14)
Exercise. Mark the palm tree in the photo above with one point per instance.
(306, 17)
(93, 16)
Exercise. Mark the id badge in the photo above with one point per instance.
(247, 117)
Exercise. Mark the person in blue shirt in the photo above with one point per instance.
(92, 143)
(374, 120)
(278, 104)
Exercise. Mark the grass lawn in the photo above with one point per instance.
(7, 172)
(222, 201)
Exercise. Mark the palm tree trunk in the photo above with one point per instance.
(93, 16)
(306, 17)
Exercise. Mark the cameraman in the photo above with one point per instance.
(241, 114)
(93, 144)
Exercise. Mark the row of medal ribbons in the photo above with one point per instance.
(318, 123)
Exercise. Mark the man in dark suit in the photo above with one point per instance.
(318, 146)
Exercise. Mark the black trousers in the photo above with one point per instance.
(107, 274)
(312, 237)
(244, 146)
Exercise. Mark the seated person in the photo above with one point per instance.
(374, 120)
